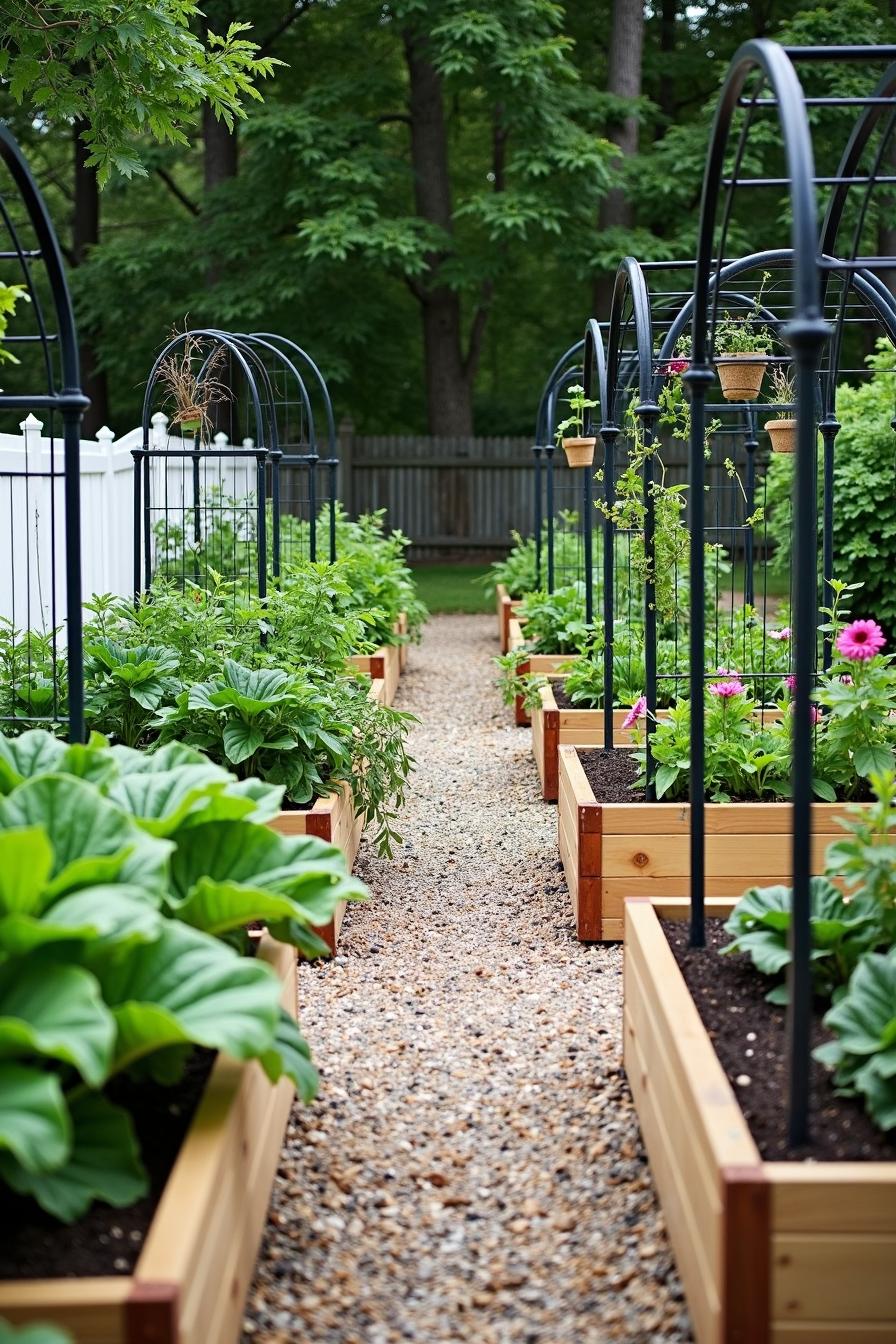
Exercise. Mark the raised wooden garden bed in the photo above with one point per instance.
(769, 1252)
(401, 628)
(553, 727)
(190, 1283)
(611, 851)
(333, 819)
(507, 608)
(545, 664)
(383, 665)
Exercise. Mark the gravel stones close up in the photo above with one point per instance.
(471, 1168)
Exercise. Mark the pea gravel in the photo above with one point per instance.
(471, 1169)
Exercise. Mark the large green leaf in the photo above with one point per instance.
(55, 1011)
(184, 987)
(161, 801)
(32, 753)
(92, 839)
(104, 1164)
(117, 913)
(864, 1020)
(26, 861)
(242, 740)
(217, 907)
(289, 1056)
(256, 856)
(35, 1127)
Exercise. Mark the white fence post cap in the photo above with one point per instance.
(30, 423)
(248, 443)
(105, 434)
(221, 440)
(160, 418)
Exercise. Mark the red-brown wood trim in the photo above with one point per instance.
(320, 824)
(506, 609)
(746, 1267)
(150, 1314)
(520, 713)
(377, 667)
(589, 841)
(551, 747)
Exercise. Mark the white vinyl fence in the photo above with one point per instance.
(32, 511)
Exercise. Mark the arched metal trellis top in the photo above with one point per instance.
(630, 284)
(68, 400)
(569, 358)
(805, 333)
(248, 360)
(297, 351)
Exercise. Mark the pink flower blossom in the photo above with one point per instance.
(637, 711)
(860, 640)
(782, 635)
(814, 713)
(673, 367)
(727, 689)
(790, 683)
(846, 679)
(728, 672)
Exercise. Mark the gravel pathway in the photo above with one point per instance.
(472, 1169)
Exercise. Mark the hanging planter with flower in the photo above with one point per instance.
(578, 447)
(782, 431)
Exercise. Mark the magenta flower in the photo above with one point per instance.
(846, 679)
(815, 714)
(728, 672)
(860, 640)
(673, 367)
(637, 711)
(782, 635)
(790, 683)
(727, 689)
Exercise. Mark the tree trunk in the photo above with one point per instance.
(667, 100)
(448, 381)
(624, 80)
(85, 236)
(220, 161)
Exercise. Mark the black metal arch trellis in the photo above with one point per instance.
(203, 350)
(806, 332)
(299, 441)
(47, 379)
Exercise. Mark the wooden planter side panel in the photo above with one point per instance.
(191, 1281)
(694, 1132)
(332, 819)
(384, 665)
(580, 838)
(401, 628)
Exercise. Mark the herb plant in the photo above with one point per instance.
(578, 404)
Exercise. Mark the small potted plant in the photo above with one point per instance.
(782, 431)
(741, 356)
(579, 447)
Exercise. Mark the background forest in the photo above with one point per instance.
(432, 195)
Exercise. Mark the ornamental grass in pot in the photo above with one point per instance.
(782, 430)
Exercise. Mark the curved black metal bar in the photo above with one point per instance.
(544, 443)
(806, 334)
(245, 360)
(69, 401)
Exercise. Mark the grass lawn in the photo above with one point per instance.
(451, 587)
(777, 585)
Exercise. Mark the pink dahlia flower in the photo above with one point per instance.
(727, 689)
(637, 711)
(728, 672)
(782, 635)
(790, 683)
(672, 367)
(860, 640)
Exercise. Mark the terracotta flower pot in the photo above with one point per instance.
(741, 375)
(782, 434)
(579, 452)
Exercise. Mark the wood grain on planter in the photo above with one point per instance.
(383, 665)
(769, 1252)
(507, 607)
(544, 664)
(641, 849)
(190, 1283)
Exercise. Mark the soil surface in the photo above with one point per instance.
(472, 1168)
(558, 686)
(106, 1241)
(750, 1039)
(611, 774)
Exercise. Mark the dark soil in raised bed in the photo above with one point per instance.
(106, 1240)
(558, 686)
(749, 1036)
(611, 774)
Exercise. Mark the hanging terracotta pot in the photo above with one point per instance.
(579, 452)
(782, 434)
(741, 375)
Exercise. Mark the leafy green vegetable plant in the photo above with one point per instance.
(121, 876)
(863, 1053)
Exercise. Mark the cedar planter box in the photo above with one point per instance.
(545, 664)
(769, 1252)
(332, 818)
(507, 608)
(384, 665)
(553, 727)
(611, 851)
(190, 1283)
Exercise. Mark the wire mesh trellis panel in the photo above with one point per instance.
(41, 404)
